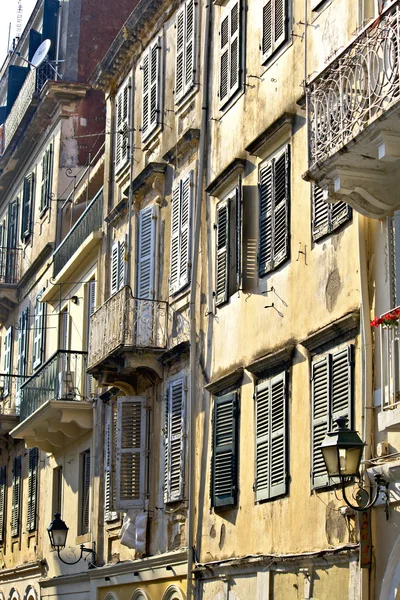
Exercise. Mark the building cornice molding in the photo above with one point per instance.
(23, 571)
(334, 333)
(282, 126)
(234, 168)
(279, 359)
(219, 384)
(129, 567)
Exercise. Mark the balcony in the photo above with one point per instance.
(10, 273)
(126, 334)
(26, 99)
(53, 406)
(89, 222)
(353, 109)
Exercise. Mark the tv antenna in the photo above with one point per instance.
(19, 19)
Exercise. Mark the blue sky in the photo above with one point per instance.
(9, 15)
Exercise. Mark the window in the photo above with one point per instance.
(228, 268)
(38, 332)
(3, 250)
(16, 497)
(274, 27)
(224, 450)
(91, 307)
(326, 216)
(84, 496)
(110, 441)
(23, 329)
(186, 35)
(117, 266)
(147, 250)
(123, 124)
(151, 96)
(46, 183)
(332, 392)
(57, 491)
(181, 212)
(174, 435)
(274, 189)
(32, 488)
(12, 243)
(130, 452)
(271, 433)
(28, 195)
(3, 501)
(7, 360)
(230, 51)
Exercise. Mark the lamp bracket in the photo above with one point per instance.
(91, 551)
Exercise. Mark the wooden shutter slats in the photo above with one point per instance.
(32, 488)
(174, 441)
(151, 89)
(180, 54)
(7, 360)
(175, 233)
(122, 135)
(38, 333)
(16, 497)
(182, 199)
(222, 252)
(274, 27)
(320, 419)
(224, 473)
(230, 51)
(266, 197)
(327, 216)
(146, 259)
(3, 498)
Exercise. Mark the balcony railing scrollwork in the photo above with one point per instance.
(357, 87)
(10, 265)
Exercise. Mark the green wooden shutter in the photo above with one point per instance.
(110, 442)
(85, 492)
(147, 252)
(190, 43)
(263, 406)
(16, 497)
(185, 230)
(38, 332)
(265, 219)
(27, 204)
(222, 253)
(274, 27)
(145, 95)
(281, 208)
(46, 183)
(151, 98)
(230, 51)
(123, 114)
(320, 213)
(224, 60)
(224, 468)
(180, 54)
(3, 500)
(342, 385)
(32, 488)
(175, 241)
(340, 213)
(238, 234)
(175, 441)
(7, 360)
(320, 385)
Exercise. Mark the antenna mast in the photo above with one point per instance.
(19, 19)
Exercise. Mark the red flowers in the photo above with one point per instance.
(390, 319)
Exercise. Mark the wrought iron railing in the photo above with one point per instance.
(90, 220)
(10, 265)
(33, 83)
(358, 86)
(390, 363)
(125, 322)
(62, 377)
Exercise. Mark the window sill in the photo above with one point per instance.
(83, 538)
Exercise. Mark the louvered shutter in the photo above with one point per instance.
(265, 219)
(151, 89)
(27, 203)
(3, 498)
(274, 27)
(85, 496)
(175, 441)
(91, 307)
(38, 333)
(190, 44)
(32, 488)
(224, 468)
(45, 190)
(114, 268)
(234, 51)
(238, 233)
(340, 213)
(122, 246)
(146, 258)
(130, 452)
(320, 385)
(230, 51)
(23, 323)
(16, 497)
(394, 258)
(263, 404)
(12, 238)
(341, 385)
(320, 209)
(185, 230)
(224, 60)
(175, 241)
(109, 450)
(180, 54)
(7, 360)
(281, 208)
(122, 135)
(222, 252)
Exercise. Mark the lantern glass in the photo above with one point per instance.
(58, 532)
(331, 458)
(342, 450)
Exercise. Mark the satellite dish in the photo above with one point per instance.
(41, 53)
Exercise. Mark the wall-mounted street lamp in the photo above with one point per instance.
(342, 450)
(58, 532)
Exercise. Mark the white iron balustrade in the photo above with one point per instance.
(390, 364)
(357, 87)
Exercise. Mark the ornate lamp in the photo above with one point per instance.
(342, 450)
(58, 532)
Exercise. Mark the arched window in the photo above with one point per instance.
(173, 593)
(30, 593)
(111, 596)
(14, 594)
(140, 595)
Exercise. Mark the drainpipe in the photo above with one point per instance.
(366, 365)
(193, 289)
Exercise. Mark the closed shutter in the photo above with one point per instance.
(38, 333)
(85, 495)
(32, 488)
(12, 239)
(109, 450)
(186, 28)
(320, 219)
(3, 251)
(181, 212)
(175, 441)
(7, 360)
(394, 258)
(146, 258)
(3, 498)
(175, 242)
(130, 452)
(91, 307)
(230, 51)
(16, 497)
(342, 385)
(320, 386)
(27, 205)
(274, 212)
(238, 234)
(224, 467)
(122, 249)
(151, 89)
(114, 268)
(340, 213)
(222, 252)
(45, 188)
(271, 443)
(274, 27)
(180, 54)
(122, 135)
(23, 324)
